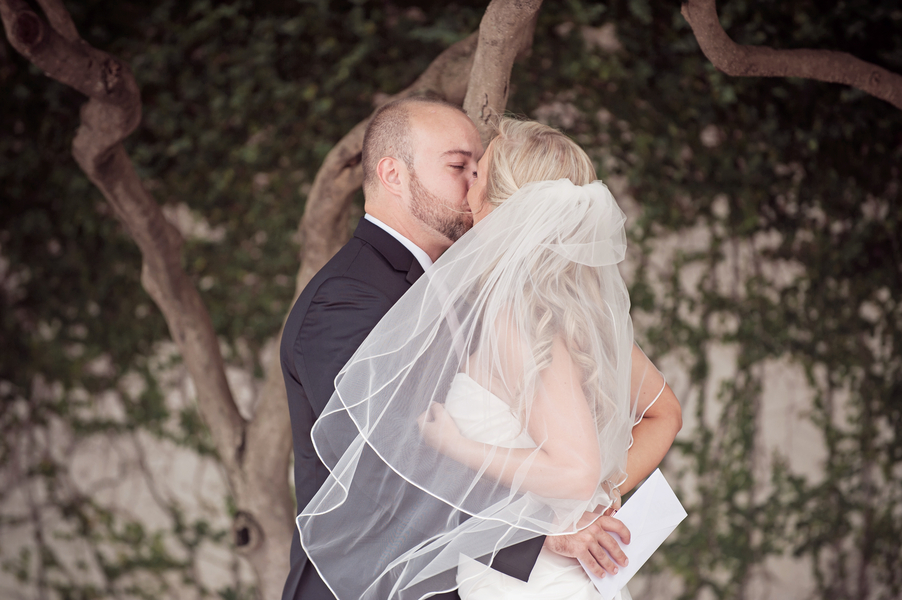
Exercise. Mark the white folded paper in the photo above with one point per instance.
(651, 514)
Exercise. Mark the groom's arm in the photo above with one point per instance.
(517, 561)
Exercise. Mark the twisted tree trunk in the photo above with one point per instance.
(255, 455)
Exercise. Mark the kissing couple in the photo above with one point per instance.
(467, 402)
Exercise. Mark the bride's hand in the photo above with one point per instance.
(437, 428)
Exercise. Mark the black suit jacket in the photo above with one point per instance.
(329, 321)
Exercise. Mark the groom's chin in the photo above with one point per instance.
(465, 223)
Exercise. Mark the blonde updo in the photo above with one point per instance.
(527, 151)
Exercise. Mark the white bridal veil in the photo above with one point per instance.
(397, 516)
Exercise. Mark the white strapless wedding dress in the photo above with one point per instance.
(482, 416)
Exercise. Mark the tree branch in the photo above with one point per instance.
(761, 61)
(268, 458)
(74, 63)
(59, 19)
(257, 468)
(112, 112)
(505, 33)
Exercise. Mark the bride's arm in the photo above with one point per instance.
(564, 465)
(652, 437)
(661, 420)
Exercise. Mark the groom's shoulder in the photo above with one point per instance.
(353, 290)
(358, 271)
(357, 264)
(371, 258)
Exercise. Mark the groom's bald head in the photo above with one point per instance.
(390, 133)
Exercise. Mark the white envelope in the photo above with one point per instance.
(651, 514)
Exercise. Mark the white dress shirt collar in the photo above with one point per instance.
(417, 252)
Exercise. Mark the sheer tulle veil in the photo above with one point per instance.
(396, 516)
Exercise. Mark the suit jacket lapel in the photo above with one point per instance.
(416, 269)
(394, 251)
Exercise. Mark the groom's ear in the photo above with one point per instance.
(392, 174)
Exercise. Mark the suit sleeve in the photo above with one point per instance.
(340, 316)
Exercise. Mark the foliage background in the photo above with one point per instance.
(765, 247)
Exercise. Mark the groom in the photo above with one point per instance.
(419, 161)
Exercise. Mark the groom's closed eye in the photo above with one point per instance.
(462, 168)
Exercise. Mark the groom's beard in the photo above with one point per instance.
(435, 213)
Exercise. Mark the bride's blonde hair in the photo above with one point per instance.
(527, 151)
(564, 298)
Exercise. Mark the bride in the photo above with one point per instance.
(501, 399)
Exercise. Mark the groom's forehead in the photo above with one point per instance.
(444, 131)
(448, 148)
(439, 143)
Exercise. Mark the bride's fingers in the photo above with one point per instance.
(431, 424)
(427, 416)
(424, 420)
